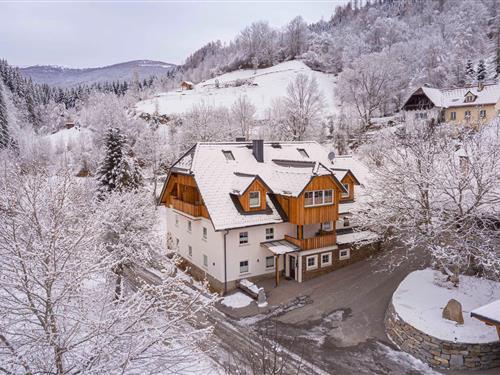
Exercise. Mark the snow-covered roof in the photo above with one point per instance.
(447, 98)
(489, 312)
(353, 237)
(281, 247)
(285, 171)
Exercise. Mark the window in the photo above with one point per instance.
(344, 254)
(482, 113)
(228, 154)
(190, 251)
(308, 199)
(244, 266)
(346, 186)
(269, 233)
(254, 197)
(467, 115)
(303, 152)
(453, 116)
(176, 220)
(189, 226)
(469, 98)
(328, 196)
(326, 259)
(318, 197)
(327, 225)
(243, 238)
(312, 262)
(205, 260)
(270, 261)
(204, 233)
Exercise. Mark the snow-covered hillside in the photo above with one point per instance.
(261, 86)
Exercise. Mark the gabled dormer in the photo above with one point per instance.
(348, 181)
(251, 193)
(470, 97)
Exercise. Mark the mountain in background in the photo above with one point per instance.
(65, 77)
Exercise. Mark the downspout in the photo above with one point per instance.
(225, 262)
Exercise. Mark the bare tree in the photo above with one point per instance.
(296, 37)
(243, 112)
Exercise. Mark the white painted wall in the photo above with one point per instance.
(253, 251)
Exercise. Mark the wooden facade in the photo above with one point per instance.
(256, 186)
(350, 182)
(183, 195)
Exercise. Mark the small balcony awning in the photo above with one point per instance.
(280, 247)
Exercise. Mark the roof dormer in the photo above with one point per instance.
(469, 97)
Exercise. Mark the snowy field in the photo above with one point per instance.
(67, 138)
(422, 296)
(265, 85)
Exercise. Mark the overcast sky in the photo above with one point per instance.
(89, 34)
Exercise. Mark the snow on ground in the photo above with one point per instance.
(237, 300)
(406, 360)
(265, 86)
(422, 296)
(66, 138)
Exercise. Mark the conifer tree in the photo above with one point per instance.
(469, 70)
(4, 130)
(481, 70)
(118, 170)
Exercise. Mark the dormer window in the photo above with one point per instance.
(254, 197)
(469, 98)
(303, 152)
(345, 195)
(228, 154)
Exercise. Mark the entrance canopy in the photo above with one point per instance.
(280, 247)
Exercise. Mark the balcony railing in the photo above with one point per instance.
(192, 209)
(317, 242)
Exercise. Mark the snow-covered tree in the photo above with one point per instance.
(469, 71)
(57, 308)
(4, 126)
(481, 70)
(296, 35)
(436, 193)
(118, 171)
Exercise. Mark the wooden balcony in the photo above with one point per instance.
(191, 209)
(317, 242)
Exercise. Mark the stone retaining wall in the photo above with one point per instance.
(440, 353)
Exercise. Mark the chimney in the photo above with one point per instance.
(480, 86)
(258, 149)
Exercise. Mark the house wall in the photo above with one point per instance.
(253, 251)
(474, 109)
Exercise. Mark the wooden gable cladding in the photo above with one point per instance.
(182, 194)
(244, 199)
(349, 180)
(297, 213)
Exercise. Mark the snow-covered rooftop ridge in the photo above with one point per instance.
(222, 169)
(490, 312)
(454, 97)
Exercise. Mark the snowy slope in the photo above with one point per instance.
(262, 87)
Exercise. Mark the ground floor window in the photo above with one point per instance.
(205, 260)
(244, 266)
(312, 262)
(344, 254)
(326, 259)
(270, 261)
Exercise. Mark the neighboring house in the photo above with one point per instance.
(257, 209)
(474, 105)
(186, 85)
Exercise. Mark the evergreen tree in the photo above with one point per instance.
(481, 70)
(469, 70)
(118, 171)
(4, 130)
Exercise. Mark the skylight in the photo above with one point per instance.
(228, 154)
(303, 152)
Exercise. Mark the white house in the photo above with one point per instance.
(251, 210)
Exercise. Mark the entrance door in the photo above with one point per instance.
(292, 267)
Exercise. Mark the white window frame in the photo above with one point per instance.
(204, 234)
(453, 116)
(274, 262)
(205, 260)
(331, 195)
(245, 242)
(189, 226)
(190, 251)
(314, 198)
(250, 199)
(347, 254)
(247, 270)
(315, 265)
(270, 234)
(347, 187)
(329, 262)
